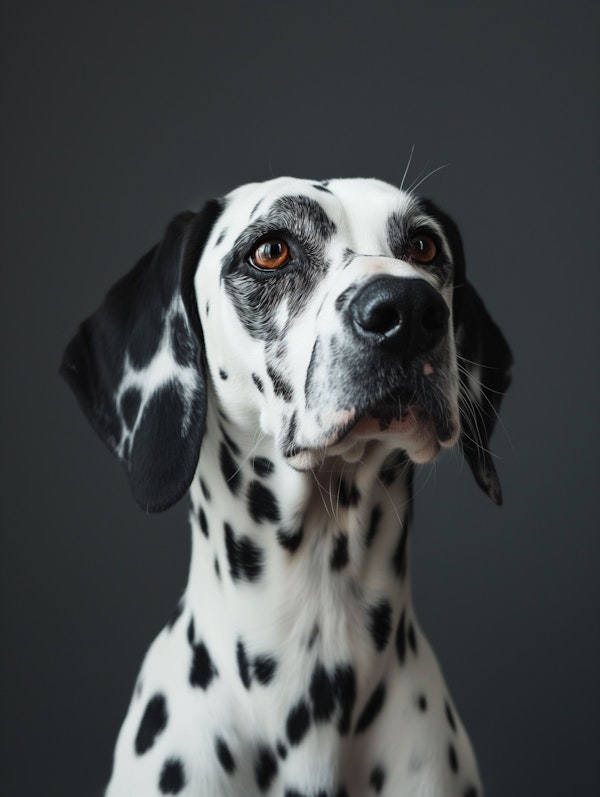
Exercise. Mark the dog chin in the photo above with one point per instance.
(415, 432)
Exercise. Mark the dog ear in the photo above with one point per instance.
(137, 365)
(484, 363)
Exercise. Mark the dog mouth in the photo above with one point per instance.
(422, 428)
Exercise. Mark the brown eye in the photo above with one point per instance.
(271, 254)
(422, 249)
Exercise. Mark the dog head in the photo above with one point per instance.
(326, 316)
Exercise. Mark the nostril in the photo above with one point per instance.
(380, 318)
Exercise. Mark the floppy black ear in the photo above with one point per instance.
(137, 368)
(484, 362)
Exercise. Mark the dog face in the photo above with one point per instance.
(325, 316)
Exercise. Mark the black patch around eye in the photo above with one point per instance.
(130, 406)
(262, 503)
(202, 670)
(224, 755)
(265, 768)
(380, 623)
(372, 709)
(183, 345)
(297, 723)
(153, 723)
(246, 560)
(172, 777)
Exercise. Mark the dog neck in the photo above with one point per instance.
(310, 569)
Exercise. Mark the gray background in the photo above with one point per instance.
(115, 117)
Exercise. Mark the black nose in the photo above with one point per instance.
(399, 315)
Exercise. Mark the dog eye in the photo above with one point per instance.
(270, 254)
(422, 249)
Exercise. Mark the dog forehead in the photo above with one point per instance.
(349, 202)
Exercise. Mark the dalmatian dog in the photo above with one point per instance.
(286, 355)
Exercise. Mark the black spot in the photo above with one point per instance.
(339, 557)
(348, 496)
(222, 235)
(154, 721)
(233, 447)
(205, 490)
(183, 345)
(224, 755)
(258, 382)
(217, 568)
(399, 559)
(281, 750)
(450, 716)
(172, 777)
(203, 522)
(265, 668)
(380, 623)
(263, 466)
(223, 374)
(373, 525)
(242, 661)
(191, 632)
(321, 694)
(280, 385)
(344, 684)
(176, 613)
(401, 638)
(130, 406)
(372, 709)
(392, 466)
(452, 758)
(290, 434)
(229, 469)
(246, 560)
(262, 504)
(322, 188)
(207, 308)
(377, 778)
(313, 635)
(202, 670)
(297, 723)
(290, 540)
(293, 793)
(422, 702)
(265, 768)
(412, 638)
